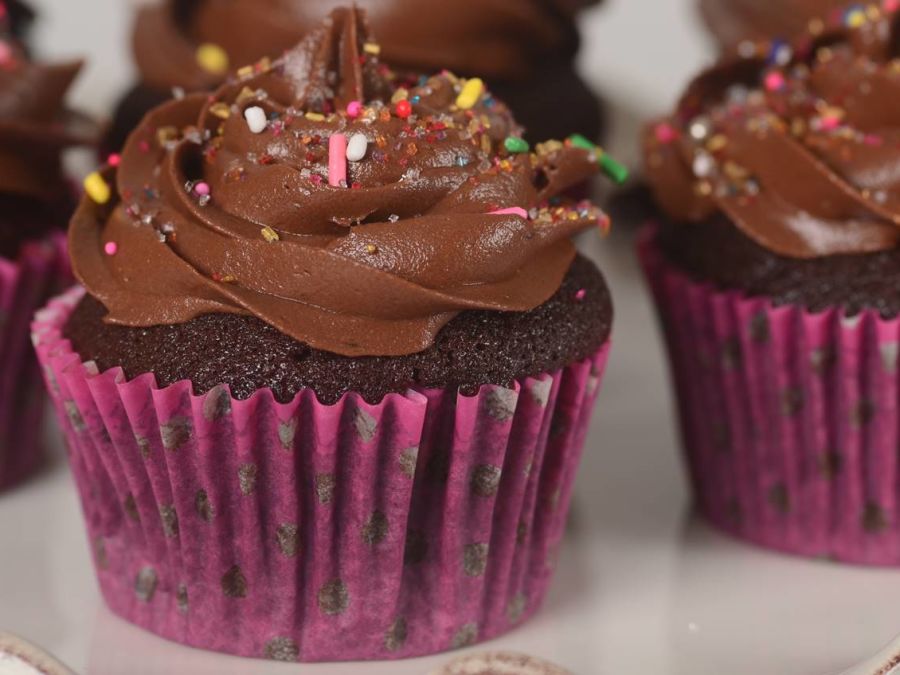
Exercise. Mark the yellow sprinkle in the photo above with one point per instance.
(371, 248)
(221, 110)
(470, 93)
(245, 71)
(269, 234)
(97, 188)
(400, 95)
(166, 134)
(856, 18)
(212, 58)
(315, 117)
(245, 95)
(372, 48)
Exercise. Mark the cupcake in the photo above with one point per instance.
(35, 203)
(735, 21)
(776, 268)
(525, 51)
(327, 383)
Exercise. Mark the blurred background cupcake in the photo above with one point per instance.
(351, 434)
(776, 269)
(733, 21)
(525, 51)
(36, 200)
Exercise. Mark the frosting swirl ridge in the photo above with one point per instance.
(352, 209)
(795, 143)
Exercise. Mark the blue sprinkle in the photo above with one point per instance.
(416, 98)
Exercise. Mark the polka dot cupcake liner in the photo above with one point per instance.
(311, 532)
(25, 285)
(789, 418)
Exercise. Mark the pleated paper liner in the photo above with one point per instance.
(789, 418)
(315, 532)
(26, 283)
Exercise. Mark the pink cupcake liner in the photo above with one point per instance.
(26, 283)
(789, 418)
(315, 532)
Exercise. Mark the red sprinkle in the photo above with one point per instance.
(113, 159)
(403, 109)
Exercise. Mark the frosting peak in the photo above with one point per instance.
(35, 125)
(352, 209)
(795, 142)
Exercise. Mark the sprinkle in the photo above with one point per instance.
(269, 234)
(244, 71)
(256, 119)
(471, 92)
(516, 145)
(774, 81)
(580, 141)
(97, 188)
(614, 169)
(220, 110)
(579, 295)
(403, 109)
(114, 159)
(6, 53)
(665, 133)
(202, 189)
(400, 94)
(337, 159)
(699, 129)
(110, 248)
(891, 5)
(604, 223)
(354, 108)
(212, 58)
(372, 48)
(511, 211)
(371, 249)
(315, 117)
(356, 147)
(855, 16)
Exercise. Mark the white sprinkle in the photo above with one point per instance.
(699, 128)
(703, 164)
(356, 147)
(256, 119)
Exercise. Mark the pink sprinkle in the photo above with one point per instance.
(202, 189)
(110, 248)
(113, 159)
(603, 222)
(872, 139)
(774, 81)
(144, 146)
(891, 5)
(666, 133)
(511, 211)
(337, 159)
(829, 123)
(579, 295)
(6, 52)
(354, 108)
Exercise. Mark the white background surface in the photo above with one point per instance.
(641, 588)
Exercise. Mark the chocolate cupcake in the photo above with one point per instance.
(36, 201)
(735, 21)
(776, 267)
(328, 386)
(525, 51)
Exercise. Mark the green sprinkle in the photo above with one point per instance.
(614, 169)
(580, 141)
(611, 167)
(516, 145)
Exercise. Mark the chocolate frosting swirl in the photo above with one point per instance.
(735, 20)
(35, 125)
(796, 144)
(212, 217)
(503, 39)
